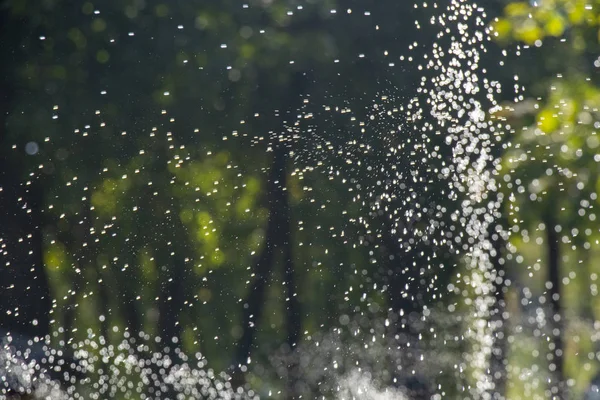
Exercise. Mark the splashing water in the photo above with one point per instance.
(359, 386)
(433, 203)
(128, 369)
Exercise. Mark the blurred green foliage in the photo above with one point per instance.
(551, 167)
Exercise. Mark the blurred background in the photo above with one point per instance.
(250, 182)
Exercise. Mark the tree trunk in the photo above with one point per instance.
(253, 306)
(172, 297)
(499, 324)
(294, 323)
(293, 316)
(278, 236)
(556, 321)
(129, 309)
(70, 314)
(403, 283)
(103, 301)
(79, 242)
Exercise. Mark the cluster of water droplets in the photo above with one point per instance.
(95, 369)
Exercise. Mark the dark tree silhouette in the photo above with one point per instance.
(498, 322)
(25, 302)
(556, 323)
